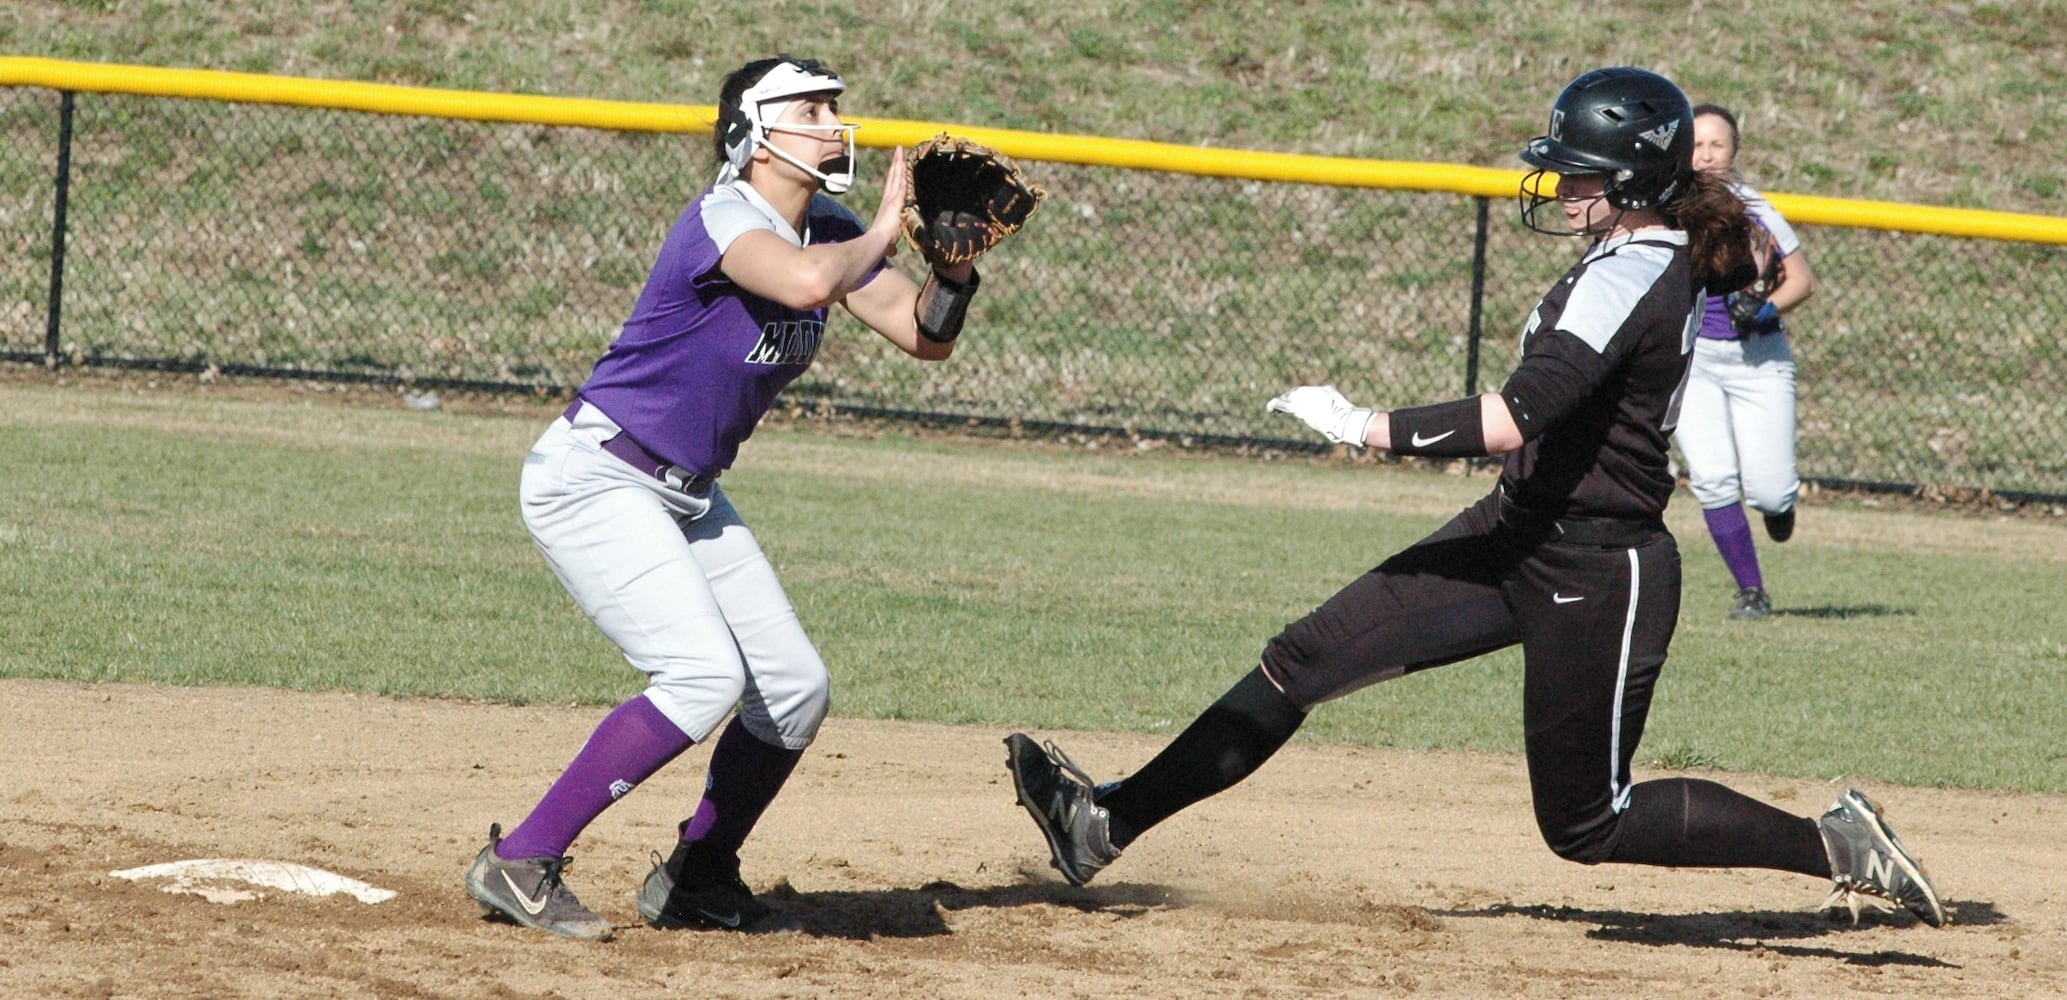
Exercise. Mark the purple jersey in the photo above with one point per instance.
(1715, 322)
(701, 359)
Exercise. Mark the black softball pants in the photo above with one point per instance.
(1593, 621)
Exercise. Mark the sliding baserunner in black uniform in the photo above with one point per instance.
(1569, 556)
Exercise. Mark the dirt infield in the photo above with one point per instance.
(1333, 872)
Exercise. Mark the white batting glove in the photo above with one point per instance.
(1327, 411)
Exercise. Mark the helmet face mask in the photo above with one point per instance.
(1629, 125)
(748, 124)
(1542, 187)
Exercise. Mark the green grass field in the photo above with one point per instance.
(215, 537)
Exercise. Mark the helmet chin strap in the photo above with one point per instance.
(782, 87)
(1608, 228)
(841, 179)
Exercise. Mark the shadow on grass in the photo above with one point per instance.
(1845, 612)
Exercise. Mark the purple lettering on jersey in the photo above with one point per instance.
(701, 360)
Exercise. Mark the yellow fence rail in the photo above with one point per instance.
(885, 133)
(203, 220)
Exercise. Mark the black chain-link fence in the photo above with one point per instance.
(334, 244)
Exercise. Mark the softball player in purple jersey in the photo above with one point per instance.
(1569, 557)
(1736, 427)
(622, 496)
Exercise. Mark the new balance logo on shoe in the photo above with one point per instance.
(1879, 869)
(1060, 797)
(1868, 863)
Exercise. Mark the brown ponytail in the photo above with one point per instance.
(1719, 230)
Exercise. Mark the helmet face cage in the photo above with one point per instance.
(747, 124)
(1539, 188)
(1631, 125)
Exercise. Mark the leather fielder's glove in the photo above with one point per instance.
(1750, 312)
(964, 198)
(1326, 410)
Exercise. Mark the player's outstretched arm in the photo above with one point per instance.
(922, 320)
(889, 305)
(1466, 428)
(959, 200)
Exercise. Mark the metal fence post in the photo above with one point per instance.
(51, 357)
(1478, 296)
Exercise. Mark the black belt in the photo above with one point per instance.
(1598, 532)
(634, 454)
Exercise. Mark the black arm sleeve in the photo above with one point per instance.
(1443, 430)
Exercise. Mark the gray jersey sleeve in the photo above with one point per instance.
(1770, 217)
(735, 209)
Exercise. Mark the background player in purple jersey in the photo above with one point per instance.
(1568, 557)
(1736, 427)
(621, 496)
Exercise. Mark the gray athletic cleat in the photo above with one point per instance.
(1752, 604)
(1870, 864)
(690, 891)
(1059, 795)
(529, 891)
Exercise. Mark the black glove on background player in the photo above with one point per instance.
(1752, 312)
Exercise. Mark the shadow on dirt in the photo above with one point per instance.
(1748, 931)
(923, 911)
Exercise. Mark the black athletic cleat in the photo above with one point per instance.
(701, 890)
(1780, 527)
(1059, 795)
(529, 891)
(1752, 604)
(1870, 865)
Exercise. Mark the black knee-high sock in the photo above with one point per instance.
(1689, 823)
(1226, 743)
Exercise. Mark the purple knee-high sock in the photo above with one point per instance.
(1732, 533)
(745, 775)
(634, 741)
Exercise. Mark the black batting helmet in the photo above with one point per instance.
(1630, 124)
